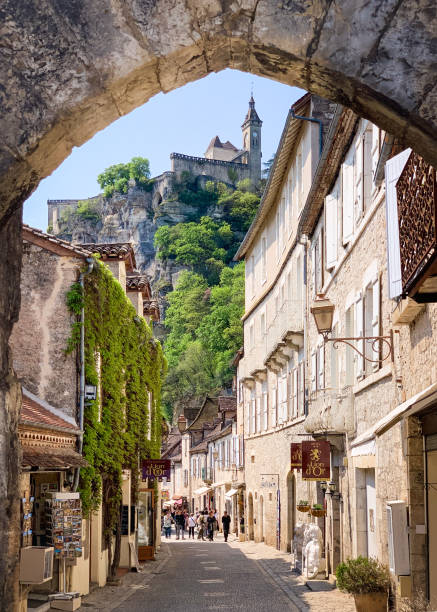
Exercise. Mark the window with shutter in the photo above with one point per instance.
(290, 200)
(313, 267)
(258, 414)
(263, 258)
(393, 170)
(331, 225)
(359, 175)
(347, 174)
(252, 416)
(314, 371)
(359, 325)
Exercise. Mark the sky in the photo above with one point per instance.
(182, 121)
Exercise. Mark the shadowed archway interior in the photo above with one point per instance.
(67, 70)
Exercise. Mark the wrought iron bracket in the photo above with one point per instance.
(386, 342)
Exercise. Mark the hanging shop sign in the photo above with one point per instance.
(156, 469)
(296, 455)
(316, 460)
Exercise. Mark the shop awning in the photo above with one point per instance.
(231, 493)
(51, 458)
(201, 491)
(216, 485)
(407, 408)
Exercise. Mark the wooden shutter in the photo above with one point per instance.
(359, 182)
(258, 414)
(295, 392)
(331, 225)
(301, 395)
(359, 331)
(367, 168)
(321, 367)
(376, 319)
(274, 419)
(314, 371)
(313, 266)
(376, 132)
(393, 169)
(265, 410)
(347, 173)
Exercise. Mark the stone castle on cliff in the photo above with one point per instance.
(222, 162)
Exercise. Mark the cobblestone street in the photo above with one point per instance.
(216, 576)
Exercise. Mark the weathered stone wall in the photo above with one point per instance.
(211, 168)
(39, 337)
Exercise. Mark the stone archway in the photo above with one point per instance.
(67, 70)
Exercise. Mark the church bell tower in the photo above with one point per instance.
(252, 141)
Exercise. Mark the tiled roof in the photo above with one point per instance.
(39, 456)
(36, 236)
(151, 309)
(36, 412)
(227, 403)
(139, 282)
(114, 250)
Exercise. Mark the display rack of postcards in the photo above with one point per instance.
(63, 515)
(26, 520)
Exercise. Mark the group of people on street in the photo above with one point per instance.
(206, 521)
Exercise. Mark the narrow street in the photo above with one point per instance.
(201, 576)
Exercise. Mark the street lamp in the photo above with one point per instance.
(323, 313)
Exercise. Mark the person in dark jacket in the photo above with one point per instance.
(226, 523)
(180, 524)
(211, 522)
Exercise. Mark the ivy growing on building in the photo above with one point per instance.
(123, 425)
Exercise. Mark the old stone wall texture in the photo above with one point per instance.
(210, 168)
(39, 338)
(69, 70)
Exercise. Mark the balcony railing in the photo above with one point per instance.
(417, 213)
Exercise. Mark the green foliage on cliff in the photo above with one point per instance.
(204, 246)
(205, 331)
(88, 210)
(116, 178)
(123, 425)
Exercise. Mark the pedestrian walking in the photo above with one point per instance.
(180, 525)
(226, 522)
(167, 525)
(191, 525)
(212, 522)
(201, 526)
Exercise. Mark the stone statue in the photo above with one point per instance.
(311, 550)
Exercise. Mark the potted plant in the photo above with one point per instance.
(318, 510)
(303, 505)
(367, 580)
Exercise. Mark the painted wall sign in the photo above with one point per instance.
(156, 468)
(296, 455)
(316, 464)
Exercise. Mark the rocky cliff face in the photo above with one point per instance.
(132, 217)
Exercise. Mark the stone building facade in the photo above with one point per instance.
(372, 401)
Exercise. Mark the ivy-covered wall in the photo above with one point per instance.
(123, 425)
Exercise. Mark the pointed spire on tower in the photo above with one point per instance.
(251, 115)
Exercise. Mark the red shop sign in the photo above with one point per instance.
(316, 464)
(296, 455)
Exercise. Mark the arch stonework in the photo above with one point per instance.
(68, 69)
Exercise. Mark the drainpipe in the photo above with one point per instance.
(304, 242)
(293, 114)
(90, 262)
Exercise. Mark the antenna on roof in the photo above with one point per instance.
(251, 89)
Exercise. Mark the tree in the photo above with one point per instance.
(205, 246)
(221, 330)
(116, 177)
